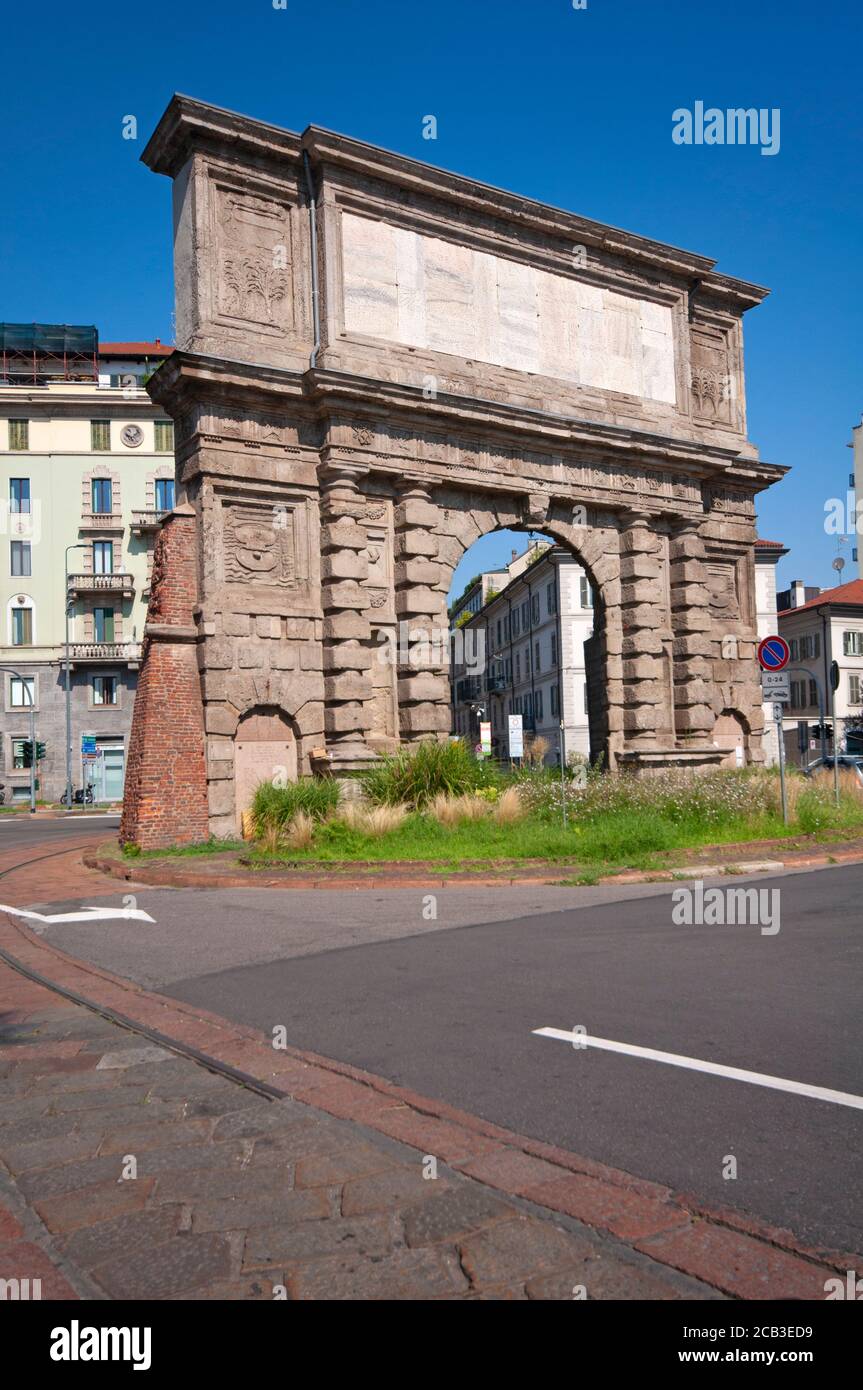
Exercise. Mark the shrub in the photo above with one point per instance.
(510, 808)
(414, 776)
(455, 810)
(317, 797)
(372, 820)
(301, 831)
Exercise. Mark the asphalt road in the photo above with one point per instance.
(448, 1006)
(20, 828)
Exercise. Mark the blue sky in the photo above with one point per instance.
(573, 107)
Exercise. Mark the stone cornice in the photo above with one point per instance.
(320, 395)
(187, 125)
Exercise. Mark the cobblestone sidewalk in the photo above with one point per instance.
(127, 1172)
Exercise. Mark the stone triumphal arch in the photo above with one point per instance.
(377, 363)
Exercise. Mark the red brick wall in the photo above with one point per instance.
(165, 798)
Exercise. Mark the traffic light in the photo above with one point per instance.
(828, 731)
(28, 752)
(40, 750)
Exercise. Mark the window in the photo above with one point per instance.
(584, 592)
(104, 690)
(19, 494)
(537, 704)
(164, 494)
(852, 643)
(101, 496)
(525, 616)
(103, 557)
(534, 607)
(538, 666)
(813, 693)
(22, 627)
(509, 670)
(806, 648)
(127, 379)
(100, 435)
(518, 666)
(551, 598)
(19, 434)
(584, 688)
(515, 627)
(553, 701)
(103, 624)
(554, 649)
(499, 630)
(18, 763)
(20, 558)
(164, 436)
(855, 690)
(22, 692)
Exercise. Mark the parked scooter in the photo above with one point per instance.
(2, 792)
(82, 796)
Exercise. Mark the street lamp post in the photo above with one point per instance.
(79, 546)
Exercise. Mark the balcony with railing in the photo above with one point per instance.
(119, 583)
(105, 653)
(101, 521)
(146, 520)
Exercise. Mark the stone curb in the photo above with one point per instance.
(163, 875)
(732, 1253)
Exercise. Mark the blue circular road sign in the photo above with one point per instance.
(773, 653)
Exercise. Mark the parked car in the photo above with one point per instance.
(851, 761)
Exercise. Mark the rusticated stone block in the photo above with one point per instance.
(219, 719)
(348, 685)
(424, 718)
(343, 535)
(268, 626)
(424, 686)
(697, 692)
(688, 596)
(253, 655)
(347, 624)
(220, 796)
(694, 718)
(344, 564)
(283, 657)
(643, 643)
(639, 566)
(642, 668)
(236, 624)
(417, 599)
(688, 572)
(344, 719)
(345, 593)
(409, 543)
(640, 718)
(689, 546)
(415, 511)
(642, 591)
(420, 571)
(638, 616)
(346, 656)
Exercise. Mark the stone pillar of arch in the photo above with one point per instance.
(423, 683)
(347, 655)
(691, 624)
(648, 721)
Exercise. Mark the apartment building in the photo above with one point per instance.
(532, 633)
(532, 629)
(88, 470)
(821, 628)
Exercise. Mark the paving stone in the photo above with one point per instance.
(264, 1210)
(35, 1127)
(325, 1170)
(394, 1188)
(198, 1156)
(365, 1236)
(14, 1112)
(100, 1202)
(253, 1289)
(192, 1186)
(406, 1274)
(22, 1260)
(184, 1263)
(10, 1227)
(51, 1182)
(526, 1246)
(455, 1213)
(48, 1153)
(609, 1278)
(133, 1057)
(304, 1139)
(124, 1235)
(151, 1134)
(266, 1117)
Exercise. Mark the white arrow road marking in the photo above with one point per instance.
(756, 1078)
(87, 914)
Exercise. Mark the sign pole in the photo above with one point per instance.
(834, 682)
(562, 772)
(778, 713)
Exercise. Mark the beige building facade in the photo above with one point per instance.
(87, 467)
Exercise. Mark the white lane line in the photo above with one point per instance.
(86, 914)
(674, 1059)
